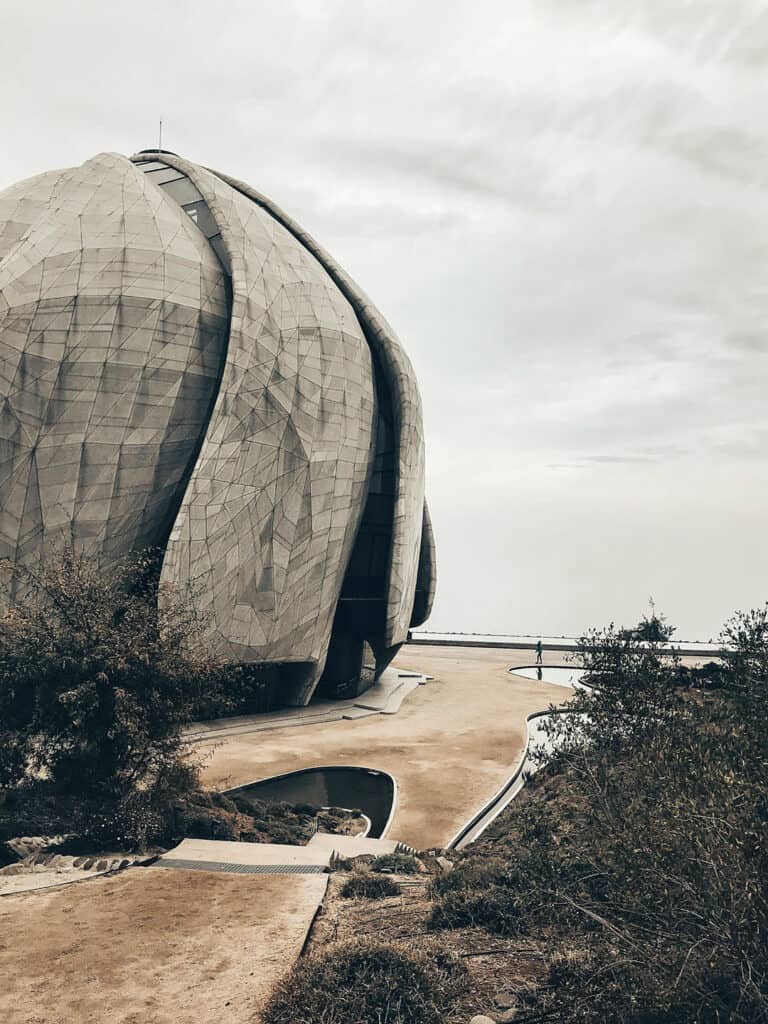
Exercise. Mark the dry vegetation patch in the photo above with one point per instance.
(497, 968)
(363, 981)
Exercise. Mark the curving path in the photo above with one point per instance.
(557, 675)
(450, 746)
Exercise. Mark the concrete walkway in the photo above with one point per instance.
(153, 946)
(247, 858)
(383, 698)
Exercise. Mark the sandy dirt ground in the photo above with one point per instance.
(152, 946)
(451, 746)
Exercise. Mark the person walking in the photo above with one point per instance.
(539, 650)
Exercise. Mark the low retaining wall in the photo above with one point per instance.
(488, 813)
(504, 797)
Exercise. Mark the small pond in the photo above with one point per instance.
(361, 789)
(560, 675)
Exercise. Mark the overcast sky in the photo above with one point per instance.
(562, 208)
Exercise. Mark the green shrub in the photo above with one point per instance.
(368, 983)
(494, 908)
(244, 690)
(399, 863)
(338, 820)
(276, 821)
(370, 887)
(472, 871)
(302, 808)
(133, 822)
(98, 671)
(208, 815)
(652, 628)
(196, 821)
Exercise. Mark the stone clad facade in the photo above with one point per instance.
(183, 368)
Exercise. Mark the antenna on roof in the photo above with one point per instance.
(160, 139)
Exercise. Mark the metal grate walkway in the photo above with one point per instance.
(240, 869)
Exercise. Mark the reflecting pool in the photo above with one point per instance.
(560, 675)
(362, 789)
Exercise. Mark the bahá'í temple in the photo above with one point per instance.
(183, 368)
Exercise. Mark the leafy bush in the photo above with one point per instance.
(274, 821)
(94, 680)
(399, 863)
(638, 856)
(246, 689)
(238, 817)
(98, 672)
(473, 871)
(367, 983)
(745, 661)
(496, 908)
(339, 820)
(651, 628)
(370, 886)
(203, 815)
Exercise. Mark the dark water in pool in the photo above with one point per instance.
(359, 789)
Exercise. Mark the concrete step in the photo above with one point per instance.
(351, 846)
(245, 858)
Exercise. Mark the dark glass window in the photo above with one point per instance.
(152, 165)
(218, 247)
(366, 576)
(181, 190)
(163, 175)
(202, 216)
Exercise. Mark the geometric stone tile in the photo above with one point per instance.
(113, 323)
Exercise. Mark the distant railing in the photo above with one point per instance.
(528, 642)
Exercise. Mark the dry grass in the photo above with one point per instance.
(369, 981)
(497, 968)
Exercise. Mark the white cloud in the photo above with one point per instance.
(562, 207)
